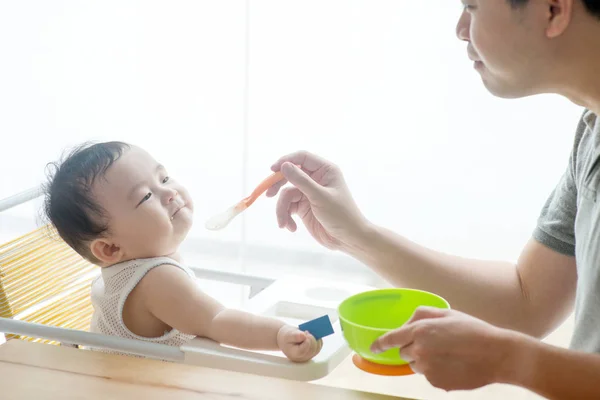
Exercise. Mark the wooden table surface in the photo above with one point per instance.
(41, 371)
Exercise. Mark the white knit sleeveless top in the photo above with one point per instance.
(109, 292)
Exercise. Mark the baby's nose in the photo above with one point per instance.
(172, 195)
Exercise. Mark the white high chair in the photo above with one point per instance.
(45, 297)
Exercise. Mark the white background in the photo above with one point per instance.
(218, 90)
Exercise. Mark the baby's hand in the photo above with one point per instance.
(297, 345)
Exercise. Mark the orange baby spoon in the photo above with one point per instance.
(223, 219)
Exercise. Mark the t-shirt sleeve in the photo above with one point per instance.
(556, 223)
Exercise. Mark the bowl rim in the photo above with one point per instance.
(348, 299)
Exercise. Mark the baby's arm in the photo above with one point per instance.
(170, 295)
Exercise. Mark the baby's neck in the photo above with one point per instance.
(176, 256)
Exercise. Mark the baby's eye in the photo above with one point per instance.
(146, 198)
(165, 180)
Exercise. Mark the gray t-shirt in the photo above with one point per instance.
(570, 224)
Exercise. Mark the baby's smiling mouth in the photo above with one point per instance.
(176, 211)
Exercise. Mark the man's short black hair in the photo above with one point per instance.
(69, 204)
(593, 6)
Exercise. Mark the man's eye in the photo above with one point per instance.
(146, 198)
(165, 180)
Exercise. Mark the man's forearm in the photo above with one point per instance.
(554, 372)
(485, 289)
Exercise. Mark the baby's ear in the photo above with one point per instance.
(106, 252)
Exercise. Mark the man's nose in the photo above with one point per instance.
(463, 27)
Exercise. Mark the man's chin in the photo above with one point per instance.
(506, 91)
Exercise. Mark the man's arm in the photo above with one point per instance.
(455, 351)
(532, 296)
(553, 372)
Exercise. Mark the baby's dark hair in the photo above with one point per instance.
(69, 204)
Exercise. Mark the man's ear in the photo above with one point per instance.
(560, 14)
(106, 252)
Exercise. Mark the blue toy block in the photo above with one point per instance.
(319, 327)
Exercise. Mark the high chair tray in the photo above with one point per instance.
(294, 300)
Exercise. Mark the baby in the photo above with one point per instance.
(119, 208)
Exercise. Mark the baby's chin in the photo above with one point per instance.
(188, 222)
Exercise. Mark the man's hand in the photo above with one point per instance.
(320, 197)
(453, 350)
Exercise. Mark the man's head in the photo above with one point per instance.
(113, 202)
(526, 47)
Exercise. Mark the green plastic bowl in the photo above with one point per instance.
(367, 316)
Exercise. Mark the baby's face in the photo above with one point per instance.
(150, 213)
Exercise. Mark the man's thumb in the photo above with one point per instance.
(300, 179)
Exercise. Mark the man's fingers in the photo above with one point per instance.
(283, 209)
(424, 312)
(308, 161)
(291, 226)
(406, 353)
(300, 179)
(415, 368)
(273, 190)
(398, 338)
(404, 336)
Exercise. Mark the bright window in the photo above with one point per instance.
(218, 90)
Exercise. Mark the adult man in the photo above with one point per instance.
(520, 48)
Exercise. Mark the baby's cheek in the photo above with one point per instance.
(151, 229)
(163, 228)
